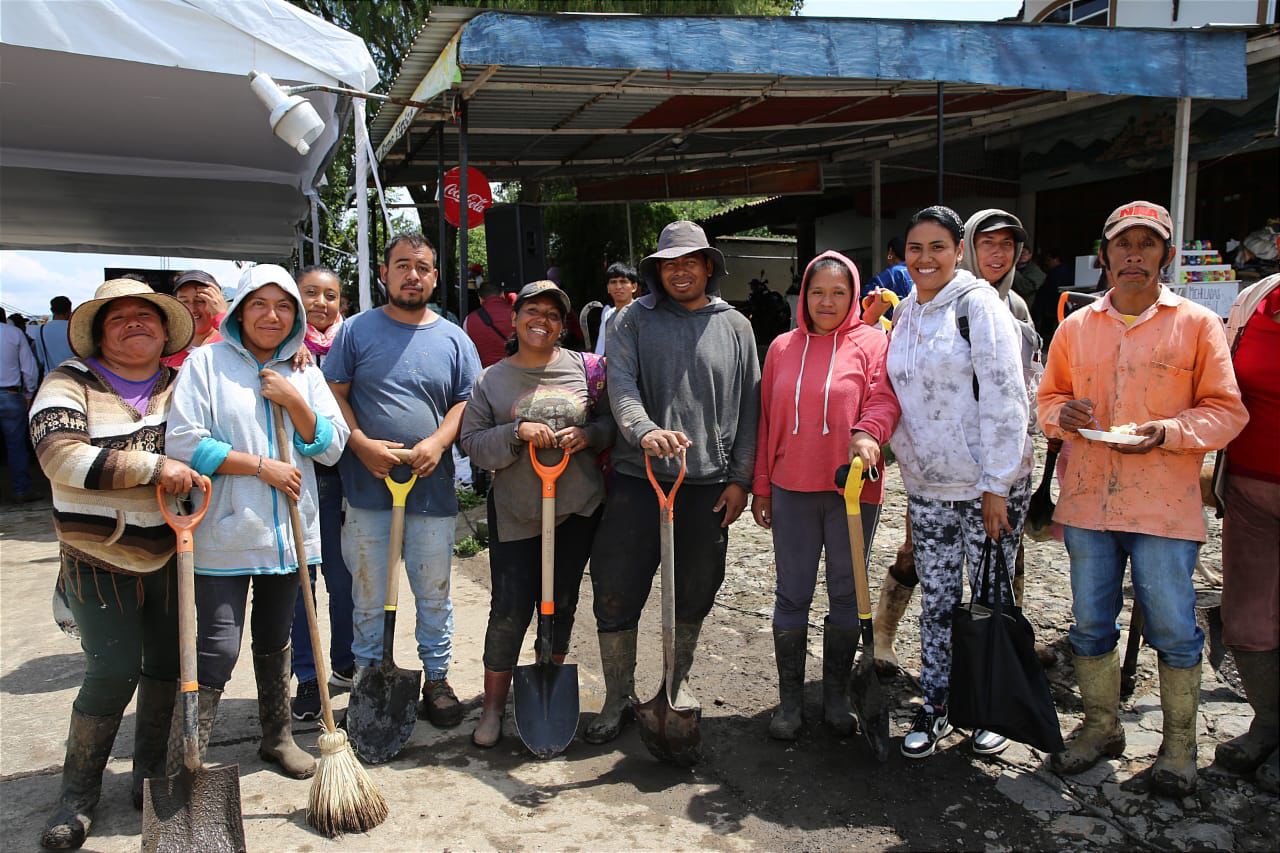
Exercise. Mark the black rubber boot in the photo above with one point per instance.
(208, 699)
(1246, 753)
(89, 743)
(838, 648)
(277, 746)
(151, 731)
(789, 649)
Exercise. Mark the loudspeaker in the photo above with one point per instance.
(514, 240)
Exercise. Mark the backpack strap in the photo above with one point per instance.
(962, 323)
(488, 321)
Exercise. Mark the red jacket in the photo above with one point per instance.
(491, 343)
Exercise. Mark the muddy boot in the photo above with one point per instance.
(151, 733)
(892, 604)
(838, 648)
(1100, 735)
(1046, 654)
(618, 660)
(686, 645)
(497, 685)
(89, 743)
(208, 711)
(1174, 773)
(1260, 672)
(789, 648)
(1268, 773)
(277, 746)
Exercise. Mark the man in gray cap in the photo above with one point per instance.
(684, 380)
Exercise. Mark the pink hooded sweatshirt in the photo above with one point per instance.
(814, 391)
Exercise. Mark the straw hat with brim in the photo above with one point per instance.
(179, 327)
(677, 240)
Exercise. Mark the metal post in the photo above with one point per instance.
(463, 210)
(877, 234)
(941, 141)
(315, 231)
(631, 251)
(1178, 193)
(442, 271)
(362, 204)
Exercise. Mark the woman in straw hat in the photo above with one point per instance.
(98, 426)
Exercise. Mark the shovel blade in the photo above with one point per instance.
(382, 712)
(670, 734)
(545, 704)
(193, 811)
(867, 696)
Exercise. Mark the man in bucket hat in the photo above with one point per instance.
(1144, 357)
(683, 380)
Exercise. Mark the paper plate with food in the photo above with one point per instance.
(1122, 434)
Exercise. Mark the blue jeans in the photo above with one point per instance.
(1162, 570)
(13, 424)
(428, 560)
(337, 581)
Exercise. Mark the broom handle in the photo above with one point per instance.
(304, 577)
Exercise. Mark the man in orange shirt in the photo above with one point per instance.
(1142, 355)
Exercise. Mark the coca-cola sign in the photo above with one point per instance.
(479, 196)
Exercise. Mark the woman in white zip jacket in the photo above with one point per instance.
(222, 423)
(962, 443)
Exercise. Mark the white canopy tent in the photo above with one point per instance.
(128, 126)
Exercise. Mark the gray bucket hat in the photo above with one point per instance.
(678, 239)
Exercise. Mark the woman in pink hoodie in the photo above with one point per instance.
(824, 396)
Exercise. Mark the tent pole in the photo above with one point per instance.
(631, 250)
(1178, 192)
(941, 141)
(315, 231)
(877, 232)
(463, 209)
(362, 204)
(443, 232)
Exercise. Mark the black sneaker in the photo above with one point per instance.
(440, 705)
(342, 677)
(929, 727)
(306, 704)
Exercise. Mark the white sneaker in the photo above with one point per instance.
(927, 729)
(988, 743)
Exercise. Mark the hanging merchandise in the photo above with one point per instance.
(479, 196)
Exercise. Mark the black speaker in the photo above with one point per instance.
(517, 249)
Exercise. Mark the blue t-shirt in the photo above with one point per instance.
(403, 381)
(895, 278)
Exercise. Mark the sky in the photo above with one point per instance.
(28, 280)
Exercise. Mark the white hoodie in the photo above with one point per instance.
(950, 446)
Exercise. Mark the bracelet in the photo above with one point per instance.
(258, 473)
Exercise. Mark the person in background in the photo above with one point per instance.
(199, 291)
(894, 277)
(98, 426)
(1044, 309)
(1146, 357)
(823, 398)
(19, 376)
(624, 287)
(320, 291)
(1030, 276)
(489, 326)
(52, 347)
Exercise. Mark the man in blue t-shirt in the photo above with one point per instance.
(894, 277)
(402, 376)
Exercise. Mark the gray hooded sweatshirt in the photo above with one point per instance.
(218, 407)
(1004, 286)
(691, 371)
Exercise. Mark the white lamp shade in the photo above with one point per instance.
(293, 118)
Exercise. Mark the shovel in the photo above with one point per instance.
(865, 692)
(1040, 510)
(199, 808)
(384, 699)
(546, 693)
(669, 730)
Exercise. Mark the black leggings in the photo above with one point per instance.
(628, 551)
(221, 602)
(515, 569)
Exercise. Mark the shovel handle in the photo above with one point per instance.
(666, 500)
(184, 525)
(888, 296)
(548, 474)
(853, 513)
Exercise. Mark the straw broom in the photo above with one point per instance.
(343, 797)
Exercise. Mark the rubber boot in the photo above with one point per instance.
(1268, 773)
(892, 604)
(618, 660)
(151, 732)
(207, 702)
(89, 743)
(1046, 654)
(277, 746)
(497, 686)
(1100, 735)
(1174, 772)
(1260, 672)
(790, 646)
(838, 648)
(686, 645)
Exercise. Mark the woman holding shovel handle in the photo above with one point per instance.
(222, 422)
(541, 396)
(823, 397)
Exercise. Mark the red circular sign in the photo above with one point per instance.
(479, 196)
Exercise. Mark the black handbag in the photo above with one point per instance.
(997, 682)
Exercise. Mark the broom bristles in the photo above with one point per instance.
(343, 797)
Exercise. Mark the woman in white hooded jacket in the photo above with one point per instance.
(222, 423)
(962, 444)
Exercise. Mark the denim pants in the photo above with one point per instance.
(1162, 570)
(428, 560)
(337, 582)
(13, 426)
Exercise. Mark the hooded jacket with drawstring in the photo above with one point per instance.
(218, 407)
(951, 446)
(969, 263)
(815, 390)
